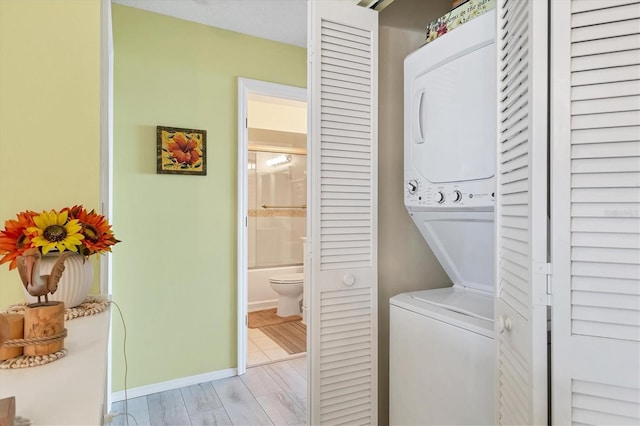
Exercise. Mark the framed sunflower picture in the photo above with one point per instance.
(181, 151)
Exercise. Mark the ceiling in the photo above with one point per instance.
(278, 20)
(284, 21)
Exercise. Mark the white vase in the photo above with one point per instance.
(75, 283)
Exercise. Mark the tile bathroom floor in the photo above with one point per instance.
(262, 350)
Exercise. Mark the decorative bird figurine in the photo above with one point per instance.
(40, 285)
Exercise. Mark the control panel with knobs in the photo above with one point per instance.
(420, 193)
(412, 186)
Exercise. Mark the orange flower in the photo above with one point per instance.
(98, 236)
(73, 229)
(185, 151)
(14, 239)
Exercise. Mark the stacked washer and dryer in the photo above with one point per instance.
(442, 341)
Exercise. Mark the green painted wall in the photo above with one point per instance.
(174, 274)
(49, 112)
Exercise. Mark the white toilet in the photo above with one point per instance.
(289, 288)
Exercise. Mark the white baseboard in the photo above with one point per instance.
(173, 384)
(262, 305)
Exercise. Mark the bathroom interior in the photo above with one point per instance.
(276, 225)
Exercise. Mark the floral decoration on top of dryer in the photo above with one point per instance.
(463, 13)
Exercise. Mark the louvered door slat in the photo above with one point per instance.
(624, 301)
(596, 265)
(578, 6)
(603, 209)
(339, 80)
(606, 75)
(512, 74)
(605, 270)
(599, 46)
(597, 239)
(355, 146)
(622, 88)
(605, 60)
(337, 108)
(605, 150)
(602, 165)
(605, 120)
(352, 93)
(598, 106)
(343, 118)
(623, 134)
(608, 180)
(605, 15)
(343, 210)
(602, 31)
(337, 96)
(605, 285)
(608, 224)
(336, 38)
(605, 315)
(520, 211)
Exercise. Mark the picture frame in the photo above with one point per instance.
(181, 151)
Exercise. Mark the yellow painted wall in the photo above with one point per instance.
(279, 117)
(49, 111)
(174, 275)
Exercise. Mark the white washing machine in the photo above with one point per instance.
(441, 353)
(442, 347)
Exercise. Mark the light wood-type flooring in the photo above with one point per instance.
(270, 394)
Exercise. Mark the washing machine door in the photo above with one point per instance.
(462, 242)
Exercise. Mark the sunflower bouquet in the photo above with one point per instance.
(70, 229)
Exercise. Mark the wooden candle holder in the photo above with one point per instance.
(15, 330)
(43, 320)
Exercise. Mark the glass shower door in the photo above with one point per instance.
(277, 207)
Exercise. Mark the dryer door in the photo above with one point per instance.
(453, 118)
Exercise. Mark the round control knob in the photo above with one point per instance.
(412, 186)
(440, 197)
(457, 196)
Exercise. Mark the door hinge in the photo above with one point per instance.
(246, 122)
(246, 320)
(545, 269)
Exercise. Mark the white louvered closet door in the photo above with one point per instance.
(521, 213)
(342, 233)
(596, 212)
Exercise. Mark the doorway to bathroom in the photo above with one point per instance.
(272, 222)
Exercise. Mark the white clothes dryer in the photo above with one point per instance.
(449, 148)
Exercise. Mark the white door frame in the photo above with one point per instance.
(247, 87)
(106, 162)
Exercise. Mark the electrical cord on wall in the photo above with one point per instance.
(126, 370)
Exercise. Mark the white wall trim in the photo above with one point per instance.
(245, 88)
(174, 384)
